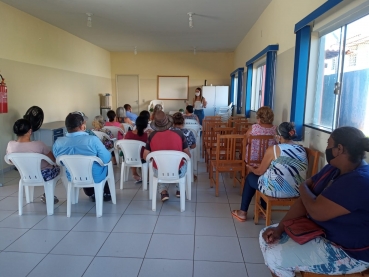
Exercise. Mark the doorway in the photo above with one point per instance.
(128, 91)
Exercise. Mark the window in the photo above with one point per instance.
(342, 81)
(235, 90)
(258, 89)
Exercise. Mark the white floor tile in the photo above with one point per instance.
(207, 196)
(22, 221)
(61, 265)
(5, 214)
(9, 235)
(214, 226)
(213, 210)
(222, 249)
(18, 264)
(219, 269)
(8, 190)
(251, 250)
(258, 270)
(166, 268)
(37, 241)
(173, 208)
(179, 225)
(90, 222)
(165, 246)
(136, 224)
(125, 245)
(10, 203)
(113, 267)
(59, 222)
(80, 243)
(143, 207)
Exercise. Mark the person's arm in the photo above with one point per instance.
(197, 118)
(267, 159)
(145, 153)
(248, 133)
(316, 204)
(51, 156)
(187, 151)
(204, 103)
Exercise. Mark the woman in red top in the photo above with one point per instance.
(138, 134)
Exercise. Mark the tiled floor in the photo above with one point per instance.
(129, 239)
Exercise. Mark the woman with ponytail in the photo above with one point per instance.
(280, 173)
(138, 134)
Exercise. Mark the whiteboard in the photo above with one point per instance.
(173, 87)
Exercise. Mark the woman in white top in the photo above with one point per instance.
(199, 103)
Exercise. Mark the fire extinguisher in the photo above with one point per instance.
(3, 96)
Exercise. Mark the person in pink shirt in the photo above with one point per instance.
(111, 115)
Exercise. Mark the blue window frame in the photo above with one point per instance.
(270, 52)
(236, 89)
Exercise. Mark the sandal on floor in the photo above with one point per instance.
(235, 215)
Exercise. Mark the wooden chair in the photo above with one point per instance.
(206, 134)
(360, 274)
(313, 159)
(226, 159)
(240, 127)
(234, 119)
(211, 147)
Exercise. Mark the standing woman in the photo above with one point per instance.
(199, 103)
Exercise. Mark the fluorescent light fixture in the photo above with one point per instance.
(190, 22)
(89, 20)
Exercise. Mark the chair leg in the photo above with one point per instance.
(20, 198)
(268, 215)
(31, 193)
(111, 183)
(69, 198)
(144, 176)
(49, 195)
(189, 186)
(151, 177)
(99, 188)
(183, 193)
(257, 209)
(216, 183)
(121, 176)
(153, 190)
(126, 171)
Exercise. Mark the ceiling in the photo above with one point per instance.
(151, 25)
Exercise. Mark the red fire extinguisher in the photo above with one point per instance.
(3, 96)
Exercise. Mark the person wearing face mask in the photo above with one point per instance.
(337, 200)
(281, 171)
(199, 104)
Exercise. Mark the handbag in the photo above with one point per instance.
(302, 229)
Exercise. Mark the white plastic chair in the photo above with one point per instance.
(153, 103)
(132, 158)
(225, 112)
(127, 127)
(196, 151)
(80, 170)
(115, 130)
(168, 162)
(29, 167)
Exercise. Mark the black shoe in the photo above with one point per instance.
(92, 197)
(107, 197)
(164, 197)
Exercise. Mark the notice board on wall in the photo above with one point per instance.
(173, 87)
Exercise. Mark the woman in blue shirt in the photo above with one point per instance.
(337, 199)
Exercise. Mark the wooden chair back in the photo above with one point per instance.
(206, 133)
(313, 161)
(240, 127)
(234, 119)
(261, 143)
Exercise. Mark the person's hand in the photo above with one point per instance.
(272, 234)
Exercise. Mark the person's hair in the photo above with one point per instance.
(157, 107)
(127, 106)
(73, 121)
(200, 92)
(21, 127)
(141, 124)
(189, 108)
(98, 122)
(178, 118)
(145, 113)
(287, 130)
(265, 114)
(353, 140)
(121, 112)
(111, 115)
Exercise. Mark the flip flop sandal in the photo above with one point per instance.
(235, 215)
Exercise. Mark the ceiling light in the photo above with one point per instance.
(89, 20)
(135, 51)
(194, 50)
(190, 23)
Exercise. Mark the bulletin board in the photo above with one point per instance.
(173, 87)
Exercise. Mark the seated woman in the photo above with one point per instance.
(98, 125)
(157, 107)
(337, 200)
(23, 144)
(146, 114)
(122, 116)
(281, 171)
(111, 115)
(138, 134)
(190, 115)
(264, 127)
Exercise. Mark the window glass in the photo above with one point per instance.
(257, 97)
(235, 89)
(342, 84)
